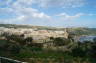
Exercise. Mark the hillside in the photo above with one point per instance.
(27, 50)
(77, 31)
(83, 31)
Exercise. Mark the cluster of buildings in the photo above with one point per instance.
(43, 36)
(34, 33)
(40, 35)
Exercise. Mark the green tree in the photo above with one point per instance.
(60, 41)
(94, 39)
(15, 49)
(29, 40)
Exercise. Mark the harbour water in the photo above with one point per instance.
(86, 38)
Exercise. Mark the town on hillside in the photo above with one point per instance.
(42, 44)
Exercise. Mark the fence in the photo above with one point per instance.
(8, 60)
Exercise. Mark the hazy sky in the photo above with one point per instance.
(62, 13)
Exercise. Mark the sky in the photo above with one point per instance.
(56, 13)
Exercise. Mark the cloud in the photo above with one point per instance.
(22, 12)
(50, 3)
(17, 19)
(23, 15)
(6, 10)
(22, 3)
(5, 3)
(66, 17)
(91, 14)
(29, 12)
(60, 3)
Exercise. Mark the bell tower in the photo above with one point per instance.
(66, 33)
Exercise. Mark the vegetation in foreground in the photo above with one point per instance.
(17, 47)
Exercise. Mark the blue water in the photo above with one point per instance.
(86, 38)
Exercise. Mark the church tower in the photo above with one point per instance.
(66, 33)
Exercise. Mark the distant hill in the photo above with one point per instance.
(83, 31)
(77, 31)
(27, 26)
